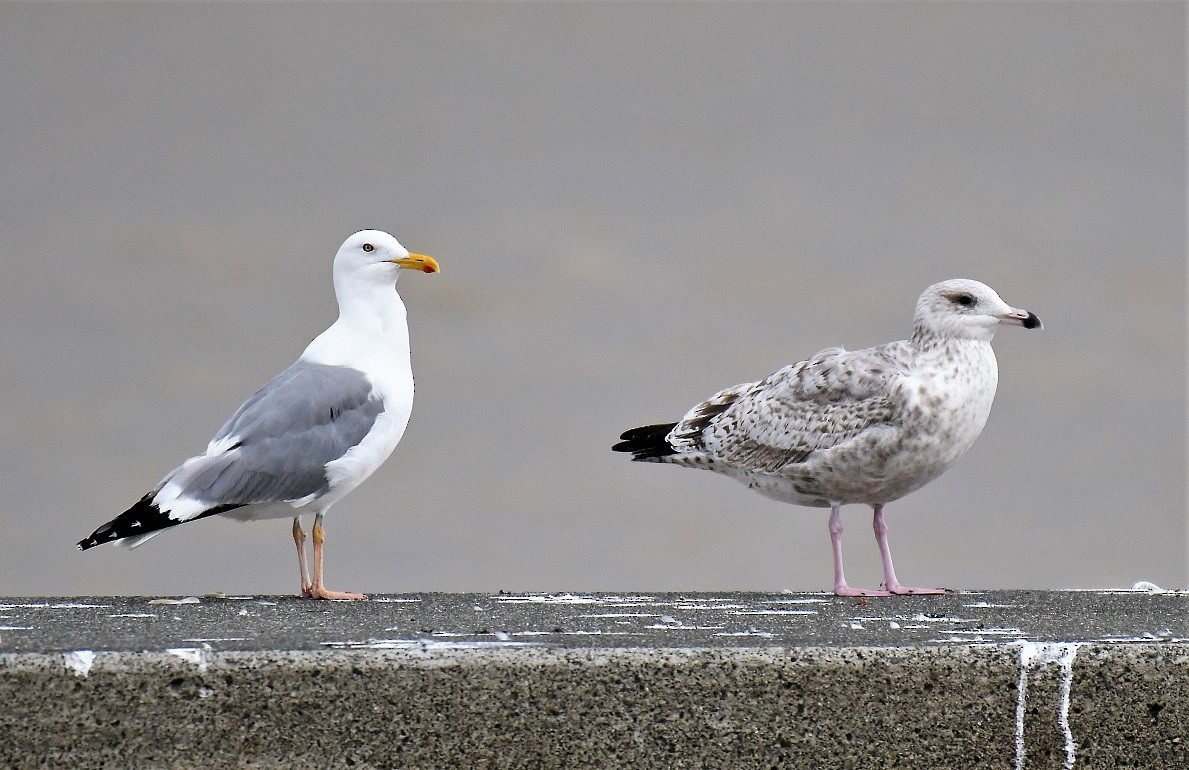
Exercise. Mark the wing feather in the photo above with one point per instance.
(276, 446)
(801, 409)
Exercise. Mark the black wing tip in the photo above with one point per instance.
(142, 518)
(104, 534)
(647, 442)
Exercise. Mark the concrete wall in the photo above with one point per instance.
(504, 703)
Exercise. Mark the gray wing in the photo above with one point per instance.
(810, 406)
(277, 444)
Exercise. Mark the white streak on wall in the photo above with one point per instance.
(190, 655)
(1042, 654)
(80, 662)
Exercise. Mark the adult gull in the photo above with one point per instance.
(315, 431)
(865, 426)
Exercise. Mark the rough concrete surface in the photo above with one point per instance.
(992, 680)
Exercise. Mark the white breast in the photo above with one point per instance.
(377, 345)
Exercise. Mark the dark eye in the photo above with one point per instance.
(368, 247)
(965, 300)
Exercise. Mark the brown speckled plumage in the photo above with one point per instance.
(866, 426)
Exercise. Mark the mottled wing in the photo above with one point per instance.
(813, 405)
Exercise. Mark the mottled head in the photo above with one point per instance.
(967, 309)
(377, 255)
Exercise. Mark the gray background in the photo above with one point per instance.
(634, 206)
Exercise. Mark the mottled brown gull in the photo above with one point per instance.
(865, 426)
(315, 431)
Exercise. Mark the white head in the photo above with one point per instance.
(366, 268)
(967, 309)
(376, 254)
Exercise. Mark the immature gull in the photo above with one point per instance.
(315, 431)
(865, 426)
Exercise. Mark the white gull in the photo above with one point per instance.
(866, 426)
(315, 431)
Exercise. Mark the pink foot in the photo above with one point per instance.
(899, 590)
(845, 590)
(324, 593)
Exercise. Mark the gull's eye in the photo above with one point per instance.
(965, 300)
(368, 247)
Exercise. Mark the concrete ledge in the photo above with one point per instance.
(598, 681)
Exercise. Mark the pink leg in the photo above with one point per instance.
(889, 572)
(299, 538)
(319, 590)
(840, 586)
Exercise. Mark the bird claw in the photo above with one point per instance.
(899, 590)
(845, 590)
(317, 592)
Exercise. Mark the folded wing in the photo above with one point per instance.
(799, 410)
(275, 448)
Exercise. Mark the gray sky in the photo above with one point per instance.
(634, 205)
